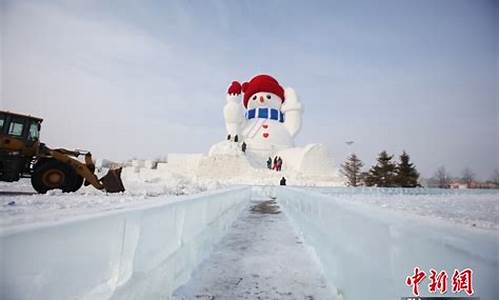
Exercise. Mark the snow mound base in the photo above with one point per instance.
(227, 164)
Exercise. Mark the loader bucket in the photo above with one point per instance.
(112, 181)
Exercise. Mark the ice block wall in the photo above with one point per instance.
(367, 252)
(139, 253)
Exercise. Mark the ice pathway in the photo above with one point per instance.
(261, 257)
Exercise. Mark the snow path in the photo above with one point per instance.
(262, 257)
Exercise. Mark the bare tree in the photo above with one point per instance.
(494, 177)
(442, 177)
(468, 176)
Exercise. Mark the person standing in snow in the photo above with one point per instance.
(244, 147)
(280, 163)
(283, 181)
(275, 163)
(269, 163)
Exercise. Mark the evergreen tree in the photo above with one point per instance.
(383, 173)
(363, 176)
(351, 169)
(406, 173)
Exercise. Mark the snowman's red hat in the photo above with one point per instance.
(262, 83)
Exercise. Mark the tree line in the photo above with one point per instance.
(388, 173)
(385, 173)
(443, 179)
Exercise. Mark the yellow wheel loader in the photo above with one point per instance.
(22, 155)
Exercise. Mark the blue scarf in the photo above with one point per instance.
(264, 113)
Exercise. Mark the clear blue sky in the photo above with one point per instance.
(145, 78)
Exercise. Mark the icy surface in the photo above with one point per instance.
(367, 251)
(474, 208)
(262, 257)
(140, 252)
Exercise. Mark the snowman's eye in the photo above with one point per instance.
(254, 98)
(268, 96)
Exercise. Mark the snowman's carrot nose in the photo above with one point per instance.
(261, 99)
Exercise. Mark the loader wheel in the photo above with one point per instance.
(53, 174)
(77, 182)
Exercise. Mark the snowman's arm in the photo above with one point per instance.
(233, 110)
(292, 110)
(234, 114)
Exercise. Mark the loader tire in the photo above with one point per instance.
(77, 183)
(52, 174)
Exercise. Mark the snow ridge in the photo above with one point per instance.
(368, 251)
(135, 253)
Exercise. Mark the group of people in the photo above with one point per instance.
(274, 164)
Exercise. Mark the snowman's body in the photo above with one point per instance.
(264, 130)
(266, 122)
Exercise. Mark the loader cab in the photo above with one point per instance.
(19, 133)
(19, 144)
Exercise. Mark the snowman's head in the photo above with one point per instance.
(262, 90)
(264, 99)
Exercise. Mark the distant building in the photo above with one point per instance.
(483, 185)
(457, 184)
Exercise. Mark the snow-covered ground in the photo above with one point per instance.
(473, 208)
(145, 242)
(19, 203)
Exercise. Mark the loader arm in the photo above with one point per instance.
(80, 168)
(111, 182)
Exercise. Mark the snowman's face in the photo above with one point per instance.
(264, 99)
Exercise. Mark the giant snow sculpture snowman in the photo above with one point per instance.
(266, 119)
